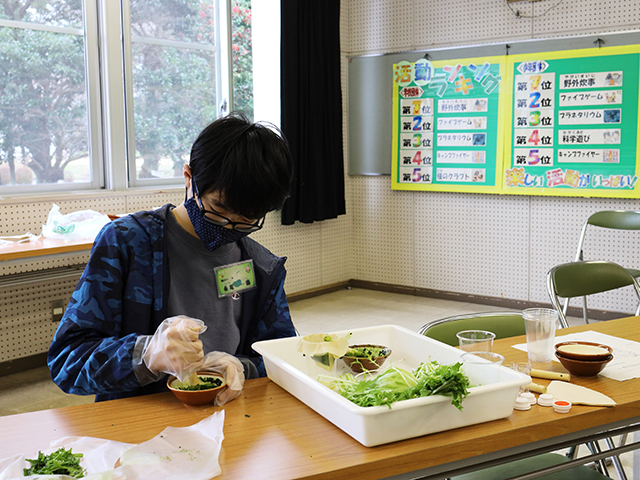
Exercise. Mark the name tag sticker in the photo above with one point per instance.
(234, 278)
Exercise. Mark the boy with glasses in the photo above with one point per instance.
(163, 288)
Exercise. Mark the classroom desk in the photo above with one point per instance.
(42, 246)
(270, 434)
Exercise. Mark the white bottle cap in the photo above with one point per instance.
(545, 400)
(562, 406)
(529, 396)
(522, 404)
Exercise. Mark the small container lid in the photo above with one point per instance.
(562, 406)
(522, 404)
(545, 400)
(529, 396)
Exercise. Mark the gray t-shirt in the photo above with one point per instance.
(193, 292)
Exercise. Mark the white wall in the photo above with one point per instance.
(489, 245)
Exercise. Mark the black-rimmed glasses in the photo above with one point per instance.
(214, 217)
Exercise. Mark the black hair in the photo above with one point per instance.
(249, 163)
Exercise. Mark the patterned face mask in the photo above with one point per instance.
(213, 236)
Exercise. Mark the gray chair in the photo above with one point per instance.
(613, 220)
(503, 324)
(506, 324)
(581, 279)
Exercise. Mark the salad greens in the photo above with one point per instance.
(205, 383)
(396, 384)
(368, 351)
(60, 462)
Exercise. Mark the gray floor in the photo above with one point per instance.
(354, 308)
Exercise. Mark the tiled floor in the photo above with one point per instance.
(353, 308)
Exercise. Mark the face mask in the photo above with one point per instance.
(213, 236)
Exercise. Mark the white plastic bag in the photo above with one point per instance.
(80, 225)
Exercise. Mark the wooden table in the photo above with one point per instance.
(270, 434)
(42, 246)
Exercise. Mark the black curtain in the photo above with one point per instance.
(312, 108)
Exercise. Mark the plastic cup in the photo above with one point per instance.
(482, 358)
(540, 327)
(482, 368)
(522, 367)
(475, 340)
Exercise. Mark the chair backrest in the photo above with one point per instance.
(617, 219)
(579, 279)
(503, 324)
(612, 219)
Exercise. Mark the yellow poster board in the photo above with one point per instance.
(561, 123)
(447, 133)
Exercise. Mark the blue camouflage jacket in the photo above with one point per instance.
(121, 295)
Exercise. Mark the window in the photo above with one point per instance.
(84, 106)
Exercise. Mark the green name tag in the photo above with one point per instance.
(235, 278)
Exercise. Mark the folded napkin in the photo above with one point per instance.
(578, 395)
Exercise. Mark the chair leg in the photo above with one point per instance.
(584, 310)
(600, 464)
(617, 464)
(572, 453)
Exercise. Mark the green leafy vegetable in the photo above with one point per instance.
(207, 384)
(367, 352)
(396, 384)
(60, 462)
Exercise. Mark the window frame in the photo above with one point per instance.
(109, 88)
(89, 16)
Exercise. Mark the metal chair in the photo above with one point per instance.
(580, 279)
(504, 324)
(614, 220)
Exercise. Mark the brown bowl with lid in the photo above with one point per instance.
(584, 351)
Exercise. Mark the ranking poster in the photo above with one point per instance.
(573, 123)
(446, 130)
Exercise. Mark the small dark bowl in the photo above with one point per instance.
(358, 364)
(197, 397)
(583, 368)
(587, 356)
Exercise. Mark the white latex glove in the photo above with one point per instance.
(175, 348)
(231, 369)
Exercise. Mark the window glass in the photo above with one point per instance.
(242, 56)
(174, 81)
(43, 106)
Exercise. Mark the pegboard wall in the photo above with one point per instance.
(496, 246)
(26, 325)
(488, 245)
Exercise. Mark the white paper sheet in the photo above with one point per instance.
(188, 453)
(626, 353)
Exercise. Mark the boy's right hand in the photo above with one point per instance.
(175, 348)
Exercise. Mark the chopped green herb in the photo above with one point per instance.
(396, 384)
(207, 384)
(60, 462)
(367, 352)
(327, 338)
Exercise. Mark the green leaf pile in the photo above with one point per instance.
(396, 384)
(60, 462)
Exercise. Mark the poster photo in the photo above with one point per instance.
(446, 130)
(573, 123)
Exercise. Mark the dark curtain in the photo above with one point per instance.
(312, 108)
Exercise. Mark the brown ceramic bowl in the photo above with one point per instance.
(196, 397)
(583, 368)
(359, 363)
(584, 350)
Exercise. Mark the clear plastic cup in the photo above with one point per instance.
(476, 340)
(540, 326)
(482, 368)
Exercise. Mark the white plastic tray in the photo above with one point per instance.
(492, 399)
